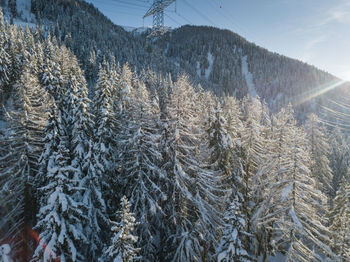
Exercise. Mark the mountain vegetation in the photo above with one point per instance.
(117, 148)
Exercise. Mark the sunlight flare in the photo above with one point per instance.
(320, 90)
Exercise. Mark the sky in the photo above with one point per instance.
(314, 31)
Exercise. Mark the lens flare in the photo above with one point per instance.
(47, 249)
(318, 91)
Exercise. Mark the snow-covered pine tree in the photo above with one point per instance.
(231, 246)
(267, 176)
(139, 168)
(78, 123)
(23, 145)
(100, 165)
(340, 228)
(17, 53)
(339, 159)
(234, 231)
(122, 248)
(63, 79)
(5, 62)
(60, 216)
(220, 143)
(191, 207)
(320, 150)
(12, 4)
(291, 208)
(252, 144)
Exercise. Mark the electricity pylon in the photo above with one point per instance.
(157, 10)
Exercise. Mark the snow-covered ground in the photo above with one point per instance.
(278, 258)
(137, 30)
(210, 68)
(23, 10)
(24, 15)
(248, 77)
(5, 250)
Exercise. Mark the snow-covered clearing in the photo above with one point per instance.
(23, 10)
(210, 68)
(248, 77)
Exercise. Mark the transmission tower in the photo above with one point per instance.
(157, 10)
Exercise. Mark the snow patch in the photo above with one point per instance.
(286, 192)
(2, 125)
(5, 250)
(23, 10)
(210, 68)
(248, 77)
(23, 24)
(277, 258)
(198, 67)
(136, 30)
(295, 218)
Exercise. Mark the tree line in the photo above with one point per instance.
(154, 169)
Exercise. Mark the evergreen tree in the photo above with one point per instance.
(268, 175)
(320, 150)
(60, 216)
(18, 166)
(5, 63)
(123, 248)
(99, 165)
(12, 4)
(252, 144)
(291, 208)
(139, 164)
(339, 159)
(340, 227)
(231, 246)
(192, 187)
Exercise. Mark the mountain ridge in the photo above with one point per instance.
(212, 57)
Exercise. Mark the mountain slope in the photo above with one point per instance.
(219, 60)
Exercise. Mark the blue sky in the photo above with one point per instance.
(314, 31)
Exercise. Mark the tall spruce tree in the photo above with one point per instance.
(192, 213)
(140, 174)
(123, 247)
(23, 145)
(320, 150)
(291, 208)
(340, 227)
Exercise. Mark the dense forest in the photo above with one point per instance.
(151, 167)
(210, 57)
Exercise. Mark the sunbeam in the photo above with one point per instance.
(318, 91)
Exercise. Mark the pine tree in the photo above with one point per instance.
(267, 176)
(12, 4)
(320, 150)
(139, 165)
(99, 165)
(192, 187)
(23, 145)
(252, 144)
(339, 159)
(291, 207)
(60, 216)
(5, 62)
(122, 248)
(340, 227)
(231, 245)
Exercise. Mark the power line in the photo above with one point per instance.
(200, 14)
(184, 18)
(173, 19)
(229, 19)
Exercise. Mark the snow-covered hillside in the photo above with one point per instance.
(21, 15)
(111, 151)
